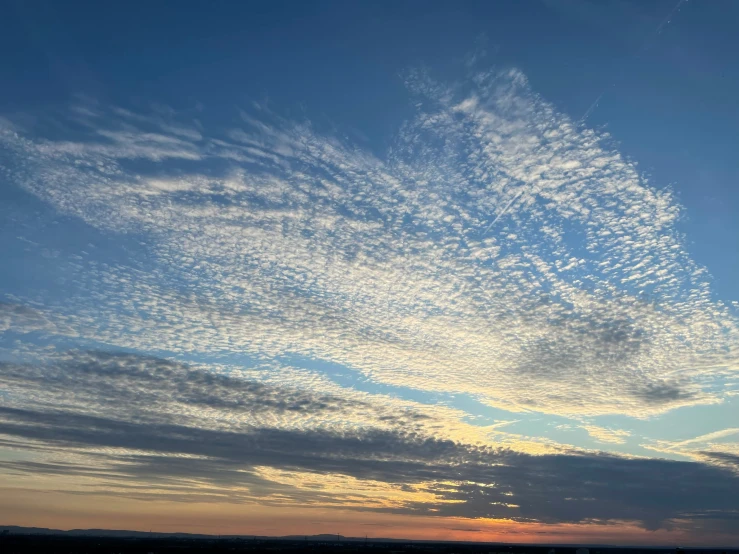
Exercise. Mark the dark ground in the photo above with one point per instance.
(12, 544)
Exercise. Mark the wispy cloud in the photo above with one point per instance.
(603, 434)
(719, 447)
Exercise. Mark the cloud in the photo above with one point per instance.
(495, 238)
(603, 434)
(21, 318)
(719, 447)
(143, 388)
(108, 419)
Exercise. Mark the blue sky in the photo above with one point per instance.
(668, 100)
(383, 228)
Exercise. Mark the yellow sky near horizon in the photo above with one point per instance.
(62, 510)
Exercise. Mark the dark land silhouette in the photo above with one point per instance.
(98, 541)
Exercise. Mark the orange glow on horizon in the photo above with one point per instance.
(59, 510)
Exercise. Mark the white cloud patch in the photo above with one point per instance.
(498, 249)
(604, 434)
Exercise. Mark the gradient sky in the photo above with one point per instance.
(412, 269)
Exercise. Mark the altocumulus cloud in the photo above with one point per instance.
(496, 238)
(497, 249)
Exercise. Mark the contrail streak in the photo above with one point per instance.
(592, 107)
(667, 18)
(501, 214)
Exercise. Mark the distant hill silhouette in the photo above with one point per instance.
(510, 548)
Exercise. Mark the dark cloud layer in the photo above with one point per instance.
(133, 381)
(129, 446)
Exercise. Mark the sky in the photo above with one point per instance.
(434, 270)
